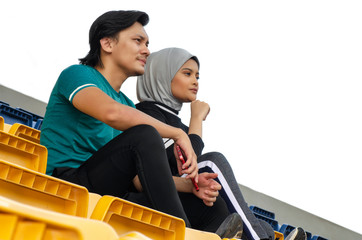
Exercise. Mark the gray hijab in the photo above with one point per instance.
(160, 69)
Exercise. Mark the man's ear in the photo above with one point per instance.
(106, 44)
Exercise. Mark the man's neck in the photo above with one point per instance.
(114, 77)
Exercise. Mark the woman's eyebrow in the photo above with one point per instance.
(188, 69)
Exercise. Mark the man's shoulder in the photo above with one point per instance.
(78, 73)
(76, 68)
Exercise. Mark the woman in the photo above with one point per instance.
(171, 79)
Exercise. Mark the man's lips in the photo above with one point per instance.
(143, 61)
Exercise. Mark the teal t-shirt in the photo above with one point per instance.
(71, 136)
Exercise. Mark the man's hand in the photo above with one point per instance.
(190, 167)
(209, 188)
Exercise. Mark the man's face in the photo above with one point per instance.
(131, 51)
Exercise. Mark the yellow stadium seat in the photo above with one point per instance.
(26, 132)
(2, 123)
(21, 221)
(125, 216)
(43, 191)
(7, 127)
(23, 152)
(93, 200)
(278, 235)
(134, 236)
(200, 235)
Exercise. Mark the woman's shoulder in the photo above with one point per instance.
(146, 106)
(152, 109)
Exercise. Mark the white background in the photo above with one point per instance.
(283, 79)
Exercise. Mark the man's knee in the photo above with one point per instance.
(146, 135)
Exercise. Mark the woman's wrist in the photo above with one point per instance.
(196, 118)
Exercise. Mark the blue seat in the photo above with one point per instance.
(263, 212)
(286, 229)
(37, 120)
(4, 103)
(316, 237)
(272, 222)
(12, 115)
(38, 124)
(309, 235)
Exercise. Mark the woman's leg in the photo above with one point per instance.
(231, 193)
(138, 150)
(268, 229)
(203, 217)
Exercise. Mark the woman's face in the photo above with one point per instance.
(184, 85)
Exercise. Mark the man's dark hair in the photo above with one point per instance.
(109, 25)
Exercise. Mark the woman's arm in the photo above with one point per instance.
(199, 112)
(209, 188)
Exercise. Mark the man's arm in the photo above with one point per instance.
(94, 102)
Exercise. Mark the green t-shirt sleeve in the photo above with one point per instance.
(74, 79)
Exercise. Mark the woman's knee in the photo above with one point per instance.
(215, 157)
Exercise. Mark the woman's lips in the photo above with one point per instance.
(194, 90)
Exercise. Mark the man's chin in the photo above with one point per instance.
(138, 73)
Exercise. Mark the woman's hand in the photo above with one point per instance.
(209, 188)
(199, 110)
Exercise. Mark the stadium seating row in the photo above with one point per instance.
(22, 169)
(13, 115)
(285, 229)
(34, 205)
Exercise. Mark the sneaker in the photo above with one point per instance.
(268, 229)
(232, 227)
(297, 234)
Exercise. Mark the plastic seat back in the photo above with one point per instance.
(278, 235)
(37, 120)
(2, 122)
(125, 216)
(286, 229)
(23, 152)
(12, 115)
(25, 132)
(21, 221)
(200, 235)
(43, 191)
